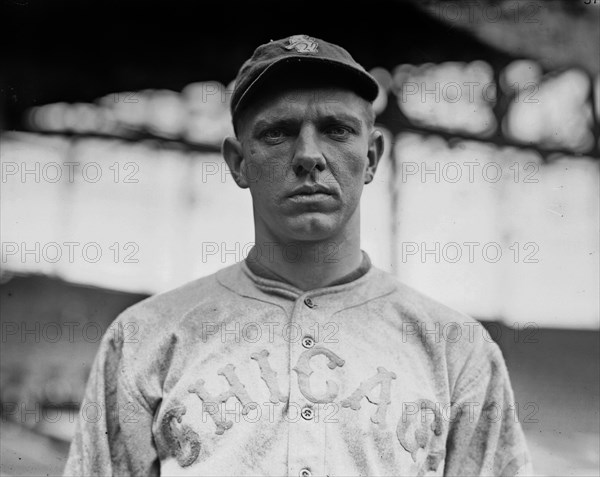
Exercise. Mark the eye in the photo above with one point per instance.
(338, 132)
(274, 135)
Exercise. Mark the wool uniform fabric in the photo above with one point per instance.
(239, 375)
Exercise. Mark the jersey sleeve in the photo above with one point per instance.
(114, 430)
(485, 435)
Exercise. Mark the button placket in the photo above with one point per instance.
(306, 443)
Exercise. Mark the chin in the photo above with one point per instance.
(312, 227)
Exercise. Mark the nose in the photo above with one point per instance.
(308, 158)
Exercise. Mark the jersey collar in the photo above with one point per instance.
(373, 283)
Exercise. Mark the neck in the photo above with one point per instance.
(308, 265)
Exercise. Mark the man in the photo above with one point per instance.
(299, 361)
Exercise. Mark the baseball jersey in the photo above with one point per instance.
(236, 374)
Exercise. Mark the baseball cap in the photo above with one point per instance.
(296, 55)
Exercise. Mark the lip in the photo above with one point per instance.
(316, 190)
(306, 198)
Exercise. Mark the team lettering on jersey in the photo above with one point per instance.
(413, 431)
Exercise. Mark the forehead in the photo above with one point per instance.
(308, 103)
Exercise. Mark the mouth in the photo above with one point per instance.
(311, 192)
(312, 197)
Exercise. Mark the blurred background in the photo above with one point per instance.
(113, 187)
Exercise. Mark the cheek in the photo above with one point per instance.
(349, 166)
(268, 166)
(254, 164)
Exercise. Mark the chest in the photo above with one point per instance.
(334, 394)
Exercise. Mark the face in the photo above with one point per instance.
(305, 155)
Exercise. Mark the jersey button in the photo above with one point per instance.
(308, 302)
(305, 473)
(308, 342)
(307, 413)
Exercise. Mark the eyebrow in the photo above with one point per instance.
(269, 123)
(343, 118)
(289, 122)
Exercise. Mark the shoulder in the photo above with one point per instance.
(166, 310)
(442, 330)
(415, 305)
(146, 339)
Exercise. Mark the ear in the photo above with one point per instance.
(234, 157)
(374, 153)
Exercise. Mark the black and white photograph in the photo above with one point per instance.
(303, 239)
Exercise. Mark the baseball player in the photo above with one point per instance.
(304, 359)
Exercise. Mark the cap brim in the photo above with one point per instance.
(343, 74)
